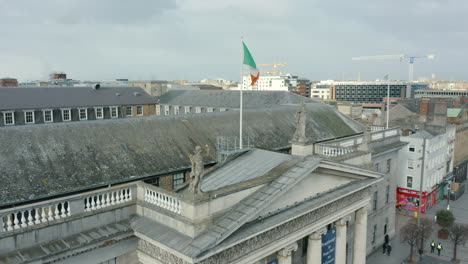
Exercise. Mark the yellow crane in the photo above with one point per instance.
(275, 67)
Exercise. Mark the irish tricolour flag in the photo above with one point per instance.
(249, 61)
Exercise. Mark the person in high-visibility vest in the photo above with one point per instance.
(439, 248)
(432, 246)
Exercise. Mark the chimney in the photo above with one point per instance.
(424, 106)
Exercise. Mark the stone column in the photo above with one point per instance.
(285, 254)
(314, 248)
(340, 248)
(360, 236)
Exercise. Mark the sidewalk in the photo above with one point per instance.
(400, 251)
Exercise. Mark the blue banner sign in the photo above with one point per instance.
(328, 246)
(274, 261)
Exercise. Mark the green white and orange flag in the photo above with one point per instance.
(249, 61)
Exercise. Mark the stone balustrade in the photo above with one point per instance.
(162, 200)
(331, 151)
(377, 128)
(47, 212)
(29, 216)
(106, 199)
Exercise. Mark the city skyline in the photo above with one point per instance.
(197, 40)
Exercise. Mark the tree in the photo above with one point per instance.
(425, 230)
(410, 235)
(445, 218)
(458, 233)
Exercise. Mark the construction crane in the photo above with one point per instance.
(400, 57)
(275, 67)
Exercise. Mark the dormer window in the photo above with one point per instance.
(29, 117)
(9, 118)
(83, 113)
(114, 112)
(48, 116)
(139, 110)
(66, 115)
(99, 112)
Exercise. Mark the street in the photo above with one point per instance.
(400, 251)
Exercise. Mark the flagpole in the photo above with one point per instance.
(388, 101)
(241, 88)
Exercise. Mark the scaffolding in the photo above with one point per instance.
(226, 146)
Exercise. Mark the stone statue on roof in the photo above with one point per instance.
(301, 117)
(196, 174)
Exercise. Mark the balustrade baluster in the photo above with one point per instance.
(51, 214)
(43, 215)
(9, 223)
(86, 204)
(112, 198)
(98, 201)
(2, 223)
(30, 217)
(37, 216)
(15, 221)
(129, 194)
(93, 202)
(108, 199)
(57, 212)
(24, 219)
(63, 214)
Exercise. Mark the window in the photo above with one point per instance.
(387, 194)
(411, 148)
(197, 110)
(176, 110)
(177, 179)
(158, 110)
(209, 109)
(153, 181)
(166, 110)
(409, 182)
(114, 112)
(389, 165)
(29, 117)
(66, 115)
(9, 118)
(48, 117)
(374, 202)
(377, 166)
(128, 111)
(374, 232)
(139, 110)
(410, 164)
(187, 109)
(83, 113)
(99, 112)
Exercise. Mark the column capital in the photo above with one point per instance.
(318, 234)
(287, 250)
(342, 221)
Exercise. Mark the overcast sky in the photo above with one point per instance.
(198, 39)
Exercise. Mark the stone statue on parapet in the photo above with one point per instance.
(196, 174)
(301, 117)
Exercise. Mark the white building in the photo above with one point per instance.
(428, 155)
(286, 82)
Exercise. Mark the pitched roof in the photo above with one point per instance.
(59, 158)
(56, 97)
(230, 98)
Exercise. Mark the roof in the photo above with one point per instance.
(453, 112)
(250, 165)
(230, 98)
(422, 134)
(55, 97)
(60, 158)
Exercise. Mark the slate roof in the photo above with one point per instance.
(54, 159)
(250, 165)
(57, 97)
(230, 98)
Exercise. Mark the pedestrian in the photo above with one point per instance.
(384, 248)
(432, 246)
(439, 248)
(387, 239)
(389, 249)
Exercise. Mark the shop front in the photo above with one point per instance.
(408, 199)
